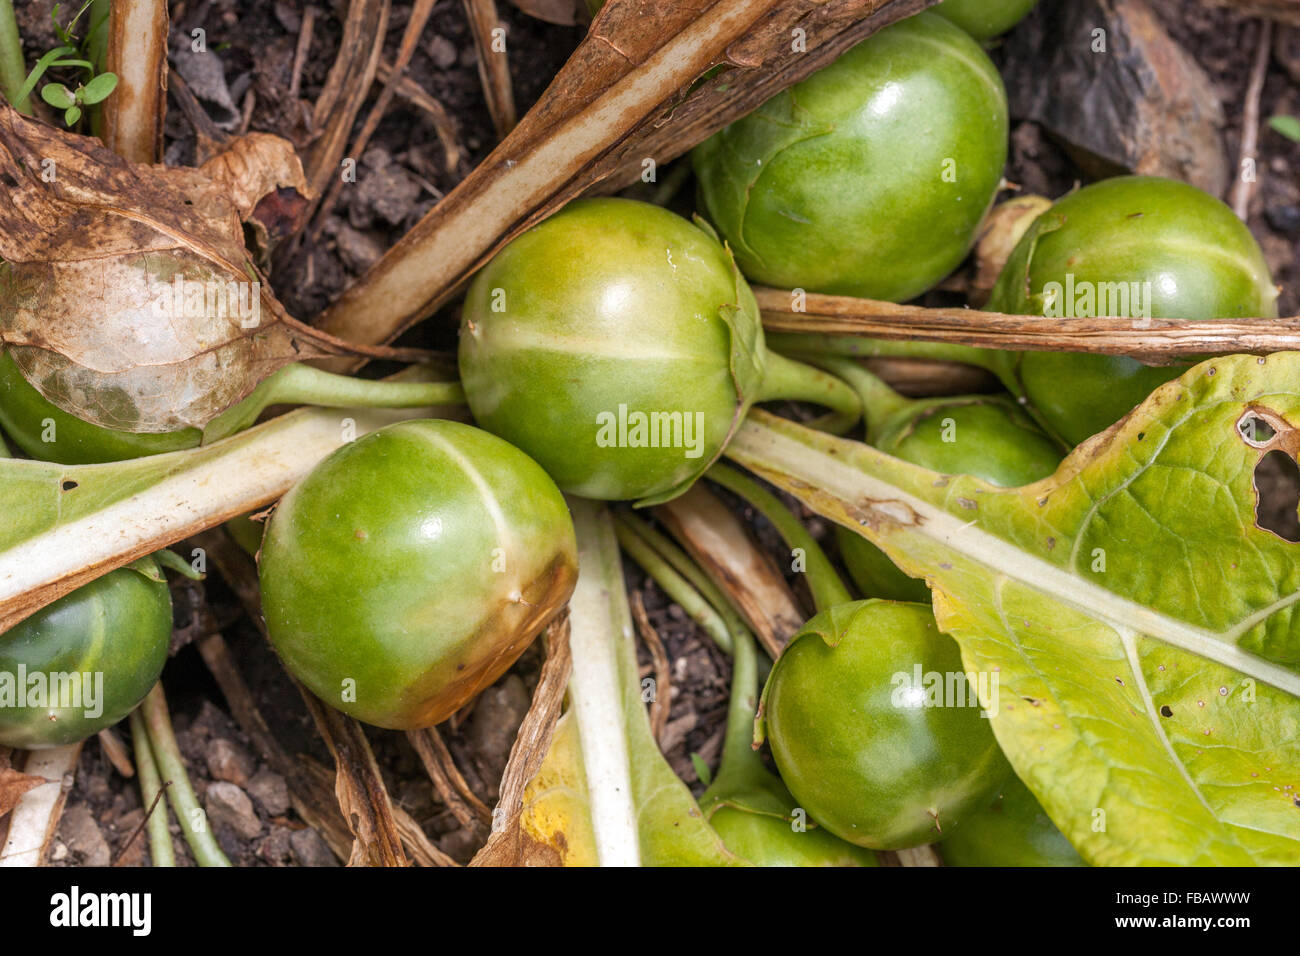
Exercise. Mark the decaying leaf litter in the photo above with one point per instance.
(407, 162)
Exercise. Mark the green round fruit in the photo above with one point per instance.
(616, 344)
(1012, 831)
(985, 19)
(766, 840)
(985, 436)
(874, 574)
(91, 656)
(412, 567)
(870, 177)
(48, 433)
(1133, 246)
(863, 747)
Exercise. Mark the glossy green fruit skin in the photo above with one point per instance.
(769, 841)
(1201, 262)
(609, 302)
(874, 574)
(838, 184)
(413, 566)
(28, 417)
(1012, 831)
(117, 626)
(985, 19)
(991, 438)
(875, 774)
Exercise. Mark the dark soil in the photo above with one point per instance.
(255, 42)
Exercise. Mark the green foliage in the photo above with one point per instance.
(73, 54)
(1142, 623)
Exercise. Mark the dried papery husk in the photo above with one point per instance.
(998, 235)
(127, 297)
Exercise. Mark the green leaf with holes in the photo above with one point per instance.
(1144, 628)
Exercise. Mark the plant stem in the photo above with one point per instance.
(823, 580)
(881, 404)
(299, 384)
(674, 585)
(853, 346)
(97, 33)
(794, 381)
(13, 68)
(739, 759)
(160, 838)
(171, 765)
(686, 566)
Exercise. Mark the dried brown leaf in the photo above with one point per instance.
(13, 784)
(93, 248)
(509, 845)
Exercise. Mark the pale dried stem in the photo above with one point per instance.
(719, 543)
(35, 820)
(1243, 186)
(493, 65)
(532, 743)
(607, 110)
(134, 112)
(1152, 341)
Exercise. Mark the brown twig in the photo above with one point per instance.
(419, 16)
(443, 125)
(507, 845)
(1244, 185)
(210, 139)
(110, 744)
(134, 112)
(346, 89)
(1153, 341)
(493, 66)
(660, 706)
(423, 851)
(447, 779)
(300, 51)
(359, 787)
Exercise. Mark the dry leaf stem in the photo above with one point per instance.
(134, 112)
(1153, 341)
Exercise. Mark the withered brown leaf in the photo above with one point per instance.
(127, 296)
(13, 783)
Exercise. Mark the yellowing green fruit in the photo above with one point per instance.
(412, 567)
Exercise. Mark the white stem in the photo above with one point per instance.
(598, 619)
(204, 487)
(33, 822)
